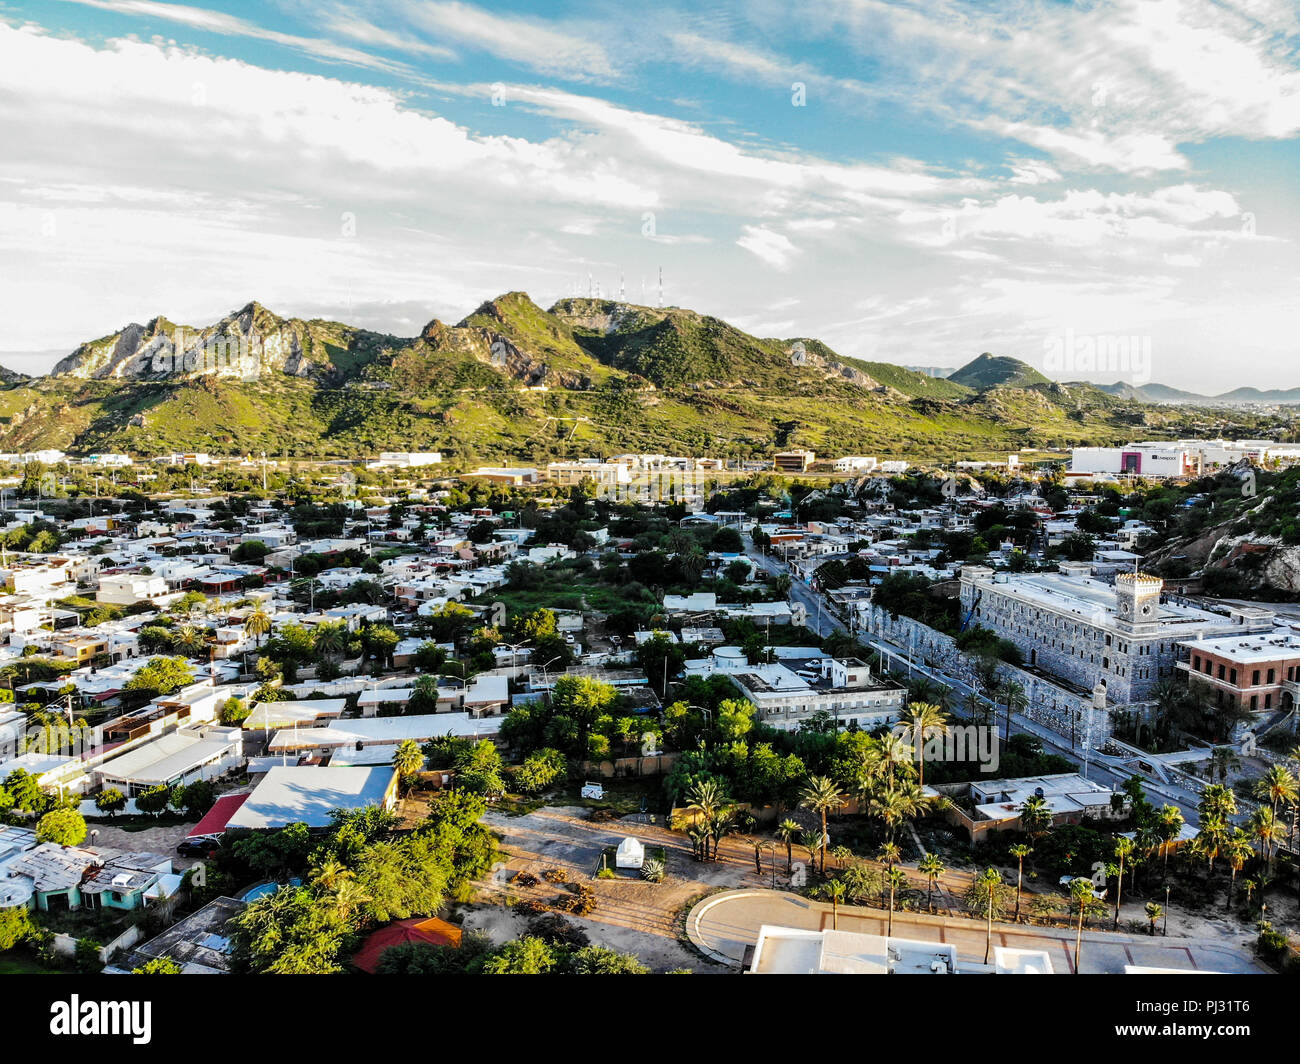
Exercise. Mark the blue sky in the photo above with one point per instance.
(912, 182)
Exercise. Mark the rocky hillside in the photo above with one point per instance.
(514, 382)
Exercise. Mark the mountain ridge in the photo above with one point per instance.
(513, 381)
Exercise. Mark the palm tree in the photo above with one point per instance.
(257, 624)
(787, 831)
(1264, 826)
(812, 842)
(896, 879)
(1223, 759)
(1020, 851)
(1085, 897)
(708, 797)
(925, 719)
(408, 760)
(834, 890)
(1015, 699)
(330, 638)
(1123, 849)
(822, 795)
(1169, 825)
(1035, 815)
(1154, 912)
(1276, 785)
(190, 640)
(1237, 852)
(932, 867)
(329, 873)
(983, 898)
(1211, 838)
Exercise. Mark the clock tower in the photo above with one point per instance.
(1137, 603)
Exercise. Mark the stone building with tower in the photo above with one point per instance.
(1122, 637)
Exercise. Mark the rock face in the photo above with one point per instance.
(247, 345)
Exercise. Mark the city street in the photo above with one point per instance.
(824, 621)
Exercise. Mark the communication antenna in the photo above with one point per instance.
(661, 287)
(590, 287)
(621, 288)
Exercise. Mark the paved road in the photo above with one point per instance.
(823, 621)
(724, 924)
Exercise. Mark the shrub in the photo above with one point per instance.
(531, 908)
(556, 930)
(555, 875)
(524, 879)
(652, 870)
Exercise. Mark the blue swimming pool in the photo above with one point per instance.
(264, 889)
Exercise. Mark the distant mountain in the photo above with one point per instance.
(515, 382)
(1162, 393)
(997, 371)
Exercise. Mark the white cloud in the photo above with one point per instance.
(772, 248)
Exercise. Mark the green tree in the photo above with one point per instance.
(984, 897)
(822, 796)
(153, 801)
(65, 827)
(161, 676)
(110, 801)
(408, 759)
(525, 956)
(1020, 851)
(932, 867)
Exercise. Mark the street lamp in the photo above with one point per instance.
(1166, 924)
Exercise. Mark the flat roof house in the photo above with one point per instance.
(294, 794)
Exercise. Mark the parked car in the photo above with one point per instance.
(199, 846)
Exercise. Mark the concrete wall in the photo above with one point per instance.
(1050, 705)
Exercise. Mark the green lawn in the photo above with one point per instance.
(17, 964)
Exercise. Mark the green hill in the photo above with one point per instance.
(515, 382)
(997, 371)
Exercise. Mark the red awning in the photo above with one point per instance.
(215, 819)
(431, 930)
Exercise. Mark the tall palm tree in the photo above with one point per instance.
(258, 624)
(812, 842)
(1035, 815)
(890, 854)
(708, 798)
(1211, 837)
(923, 720)
(1020, 851)
(787, 831)
(896, 879)
(894, 753)
(1169, 825)
(932, 867)
(822, 796)
(1085, 897)
(1015, 699)
(1276, 785)
(834, 890)
(1123, 850)
(982, 896)
(1237, 852)
(1264, 826)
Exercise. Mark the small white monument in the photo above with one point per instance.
(631, 854)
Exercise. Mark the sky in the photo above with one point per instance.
(913, 182)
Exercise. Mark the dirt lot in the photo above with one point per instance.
(631, 915)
